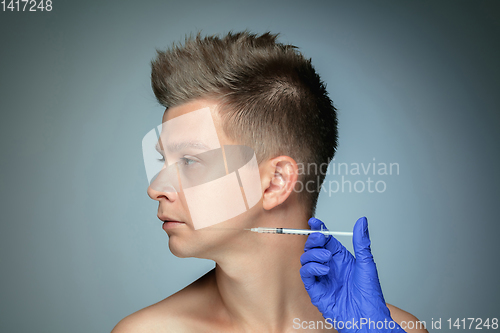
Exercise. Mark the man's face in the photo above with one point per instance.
(200, 197)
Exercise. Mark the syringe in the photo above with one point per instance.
(288, 231)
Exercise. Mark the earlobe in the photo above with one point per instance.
(280, 177)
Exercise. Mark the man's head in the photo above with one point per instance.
(268, 96)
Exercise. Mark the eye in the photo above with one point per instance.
(187, 161)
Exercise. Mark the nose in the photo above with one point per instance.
(167, 192)
(165, 185)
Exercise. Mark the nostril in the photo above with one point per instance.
(170, 193)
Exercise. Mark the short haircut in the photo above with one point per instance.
(270, 97)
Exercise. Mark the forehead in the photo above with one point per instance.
(198, 120)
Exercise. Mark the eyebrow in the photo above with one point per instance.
(178, 146)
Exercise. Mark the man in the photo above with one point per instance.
(267, 96)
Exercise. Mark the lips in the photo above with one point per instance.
(170, 222)
(169, 225)
(165, 218)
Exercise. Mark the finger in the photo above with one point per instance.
(334, 246)
(316, 224)
(315, 240)
(331, 243)
(310, 271)
(315, 255)
(361, 241)
(367, 269)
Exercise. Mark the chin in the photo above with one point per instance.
(199, 244)
(188, 247)
(179, 248)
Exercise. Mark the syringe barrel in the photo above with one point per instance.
(288, 231)
(265, 230)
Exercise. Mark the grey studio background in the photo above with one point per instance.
(416, 83)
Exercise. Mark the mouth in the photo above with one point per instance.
(169, 223)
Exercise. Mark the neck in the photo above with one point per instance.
(259, 284)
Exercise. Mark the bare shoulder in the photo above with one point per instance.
(147, 320)
(406, 320)
(184, 311)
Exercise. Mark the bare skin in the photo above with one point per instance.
(255, 286)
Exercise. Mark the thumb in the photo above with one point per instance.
(367, 272)
(361, 241)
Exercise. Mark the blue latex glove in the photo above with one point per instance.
(343, 288)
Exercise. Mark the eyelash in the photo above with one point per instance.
(185, 160)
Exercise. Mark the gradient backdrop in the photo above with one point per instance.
(416, 83)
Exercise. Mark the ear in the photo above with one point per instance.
(279, 176)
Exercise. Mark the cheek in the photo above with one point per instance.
(245, 220)
(184, 207)
(199, 243)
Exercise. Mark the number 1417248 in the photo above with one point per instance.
(473, 323)
(26, 5)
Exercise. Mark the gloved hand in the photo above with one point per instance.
(343, 288)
